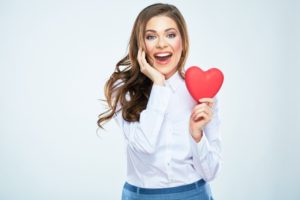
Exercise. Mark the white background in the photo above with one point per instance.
(55, 57)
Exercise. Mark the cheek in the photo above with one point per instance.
(149, 47)
(149, 52)
(177, 46)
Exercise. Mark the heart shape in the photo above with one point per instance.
(203, 84)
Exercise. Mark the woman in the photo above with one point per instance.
(173, 142)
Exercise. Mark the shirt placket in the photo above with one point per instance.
(169, 155)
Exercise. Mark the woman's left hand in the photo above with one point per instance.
(201, 114)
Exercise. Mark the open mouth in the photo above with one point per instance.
(162, 57)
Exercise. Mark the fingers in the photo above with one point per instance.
(203, 115)
(139, 56)
(203, 111)
(208, 101)
(144, 62)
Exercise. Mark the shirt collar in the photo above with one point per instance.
(174, 81)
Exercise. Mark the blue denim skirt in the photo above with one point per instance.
(199, 190)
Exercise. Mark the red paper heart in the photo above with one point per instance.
(203, 84)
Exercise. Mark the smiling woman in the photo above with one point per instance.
(172, 151)
(163, 44)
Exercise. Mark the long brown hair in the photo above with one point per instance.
(127, 86)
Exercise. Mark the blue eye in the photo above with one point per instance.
(171, 35)
(150, 37)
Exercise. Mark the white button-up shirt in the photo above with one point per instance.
(160, 149)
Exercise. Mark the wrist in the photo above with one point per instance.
(197, 135)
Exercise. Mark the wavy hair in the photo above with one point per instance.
(127, 86)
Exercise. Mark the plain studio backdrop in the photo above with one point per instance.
(55, 57)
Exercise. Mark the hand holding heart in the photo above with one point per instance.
(201, 114)
(203, 86)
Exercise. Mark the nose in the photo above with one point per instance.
(161, 43)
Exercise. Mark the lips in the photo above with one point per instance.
(163, 57)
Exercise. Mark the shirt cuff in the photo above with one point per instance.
(201, 148)
(159, 98)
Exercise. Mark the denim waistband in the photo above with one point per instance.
(169, 190)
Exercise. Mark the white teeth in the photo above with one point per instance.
(162, 54)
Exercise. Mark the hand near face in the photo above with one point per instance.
(201, 114)
(148, 70)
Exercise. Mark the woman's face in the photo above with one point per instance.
(163, 44)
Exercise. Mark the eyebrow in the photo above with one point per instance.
(168, 29)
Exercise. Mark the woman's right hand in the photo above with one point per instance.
(152, 73)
